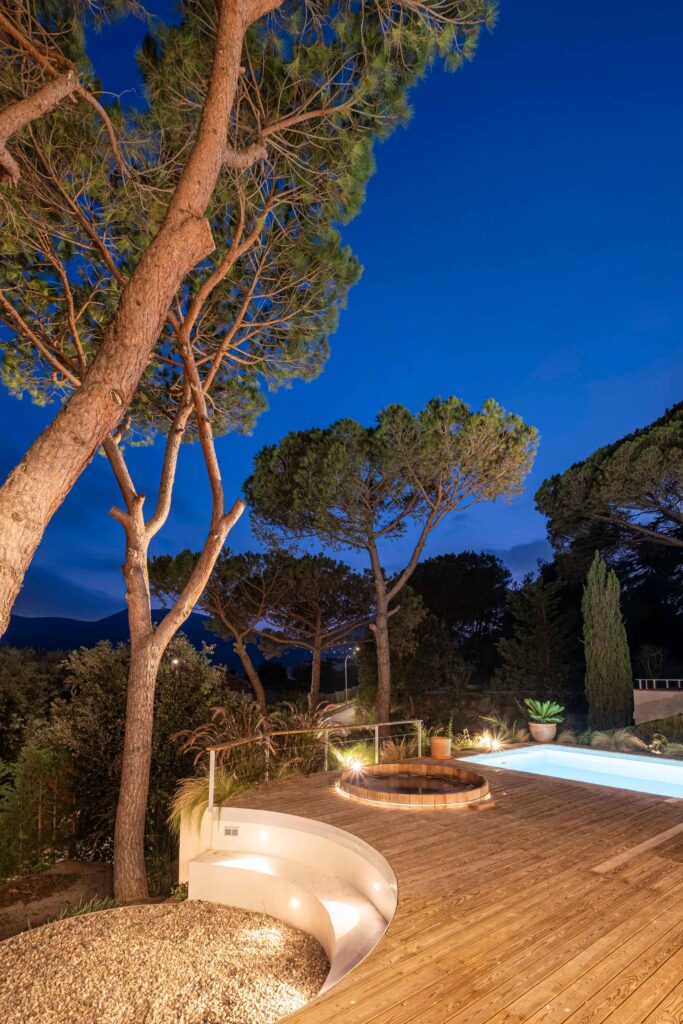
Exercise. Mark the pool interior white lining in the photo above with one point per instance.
(311, 875)
(636, 772)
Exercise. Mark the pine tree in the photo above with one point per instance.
(609, 679)
(537, 656)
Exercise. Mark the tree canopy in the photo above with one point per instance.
(537, 656)
(626, 493)
(352, 486)
(252, 126)
(309, 602)
(467, 591)
(357, 487)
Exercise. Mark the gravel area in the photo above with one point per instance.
(185, 963)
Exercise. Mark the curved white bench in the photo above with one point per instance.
(313, 876)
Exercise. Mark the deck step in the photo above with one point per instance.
(341, 918)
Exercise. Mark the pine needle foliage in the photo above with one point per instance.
(536, 657)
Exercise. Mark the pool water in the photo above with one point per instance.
(639, 773)
(405, 782)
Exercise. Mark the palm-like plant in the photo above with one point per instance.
(549, 712)
(192, 796)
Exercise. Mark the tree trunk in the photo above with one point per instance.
(252, 674)
(130, 875)
(36, 488)
(381, 632)
(314, 694)
(380, 629)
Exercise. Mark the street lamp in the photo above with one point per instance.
(353, 650)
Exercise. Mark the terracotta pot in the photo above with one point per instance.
(440, 747)
(543, 732)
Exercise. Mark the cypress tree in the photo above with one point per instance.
(609, 680)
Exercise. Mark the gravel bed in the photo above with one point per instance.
(185, 963)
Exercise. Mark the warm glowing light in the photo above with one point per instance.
(344, 916)
(251, 862)
(295, 902)
(263, 836)
(350, 760)
(487, 741)
(376, 886)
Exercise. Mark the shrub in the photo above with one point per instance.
(671, 727)
(86, 729)
(36, 809)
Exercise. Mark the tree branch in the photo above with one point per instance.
(242, 159)
(17, 115)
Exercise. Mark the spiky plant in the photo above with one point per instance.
(357, 753)
(302, 751)
(88, 907)
(192, 796)
(238, 719)
(549, 712)
(617, 739)
(502, 730)
(398, 749)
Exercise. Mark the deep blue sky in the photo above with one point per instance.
(522, 239)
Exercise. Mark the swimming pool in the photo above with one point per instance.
(659, 775)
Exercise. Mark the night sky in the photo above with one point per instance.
(521, 240)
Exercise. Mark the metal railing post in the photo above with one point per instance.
(419, 737)
(376, 744)
(327, 748)
(212, 777)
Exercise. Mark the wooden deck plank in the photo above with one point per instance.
(502, 918)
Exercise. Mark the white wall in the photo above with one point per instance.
(650, 704)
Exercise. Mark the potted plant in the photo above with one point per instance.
(440, 746)
(544, 716)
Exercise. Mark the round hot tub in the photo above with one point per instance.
(415, 785)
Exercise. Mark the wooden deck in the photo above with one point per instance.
(502, 917)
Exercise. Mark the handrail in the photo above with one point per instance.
(652, 683)
(315, 728)
(325, 729)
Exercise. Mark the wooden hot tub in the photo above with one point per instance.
(415, 785)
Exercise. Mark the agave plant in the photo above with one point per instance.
(549, 712)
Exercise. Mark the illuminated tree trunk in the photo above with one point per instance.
(316, 664)
(147, 643)
(36, 488)
(130, 875)
(252, 674)
(380, 628)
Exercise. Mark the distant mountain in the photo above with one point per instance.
(57, 634)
